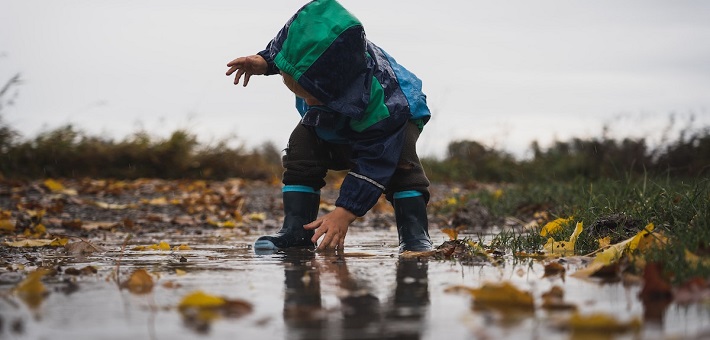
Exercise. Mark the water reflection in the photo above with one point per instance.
(362, 314)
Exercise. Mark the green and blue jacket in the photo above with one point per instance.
(368, 97)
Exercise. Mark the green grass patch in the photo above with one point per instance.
(678, 208)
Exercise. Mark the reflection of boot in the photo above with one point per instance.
(360, 307)
(412, 223)
(303, 314)
(410, 302)
(300, 208)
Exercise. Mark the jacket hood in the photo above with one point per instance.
(323, 47)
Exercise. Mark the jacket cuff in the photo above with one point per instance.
(357, 195)
(272, 69)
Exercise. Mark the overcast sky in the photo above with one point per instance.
(503, 73)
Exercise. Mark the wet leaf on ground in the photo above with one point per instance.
(31, 290)
(140, 282)
(200, 309)
(601, 324)
(55, 242)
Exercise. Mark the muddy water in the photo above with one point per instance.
(370, 293)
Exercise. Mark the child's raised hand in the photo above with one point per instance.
(247, 66)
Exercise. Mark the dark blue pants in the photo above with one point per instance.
(308, 159)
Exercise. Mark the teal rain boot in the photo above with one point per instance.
(300, 208)
(412, 222)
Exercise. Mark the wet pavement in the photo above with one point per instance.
(371, 293)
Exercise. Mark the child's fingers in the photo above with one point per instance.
(238, 76)
(325, 244)
(236, 62)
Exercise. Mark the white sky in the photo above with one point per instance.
(499, 72)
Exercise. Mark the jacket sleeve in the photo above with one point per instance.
(266, 54)
(375, 159)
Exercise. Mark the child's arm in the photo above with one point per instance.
(247, 66)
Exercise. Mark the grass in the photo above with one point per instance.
(679, 209)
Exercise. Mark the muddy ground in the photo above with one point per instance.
(154, 259)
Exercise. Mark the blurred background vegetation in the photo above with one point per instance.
(68, 152)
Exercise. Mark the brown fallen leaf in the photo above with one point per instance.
(655, 286)
(83, 271)
(72, 224)
(502, 296)
(212, 306)
(600, 323)
(554, 300)
(97, 225)
(140, 282)
(554, 268)
(82, 248)
(31, 290)
(56, 242)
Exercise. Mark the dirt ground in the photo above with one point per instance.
(154, 259)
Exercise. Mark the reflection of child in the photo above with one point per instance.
(361, 111)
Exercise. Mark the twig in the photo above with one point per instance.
(120, 256)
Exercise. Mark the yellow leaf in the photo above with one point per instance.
(453, 233)
(180, 272)
(59, 242)
(259, 217)
(634, 244)
(40, 229)
(53, 185)
(140, 282)
(497, 194)
(604, 242)
(502, 295)
(161, 246)
(199, 299)
(182, 247)
(612, 254)
(601, 323)
(57, 187)
(227, 224)
(35, 243)
(34, 213)
(555, 226)
(31, 290)
(696, 260)
(7, 226)
(563, 248)
(156, 201)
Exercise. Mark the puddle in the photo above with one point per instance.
(370, 294)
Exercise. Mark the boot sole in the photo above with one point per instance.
(265, 245)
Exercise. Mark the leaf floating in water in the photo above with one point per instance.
(31, 290)
(200, 309)
(600, 323)
(554, 268)
(554, 300)
(502, 296)
(140, 282)
(56, 242)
